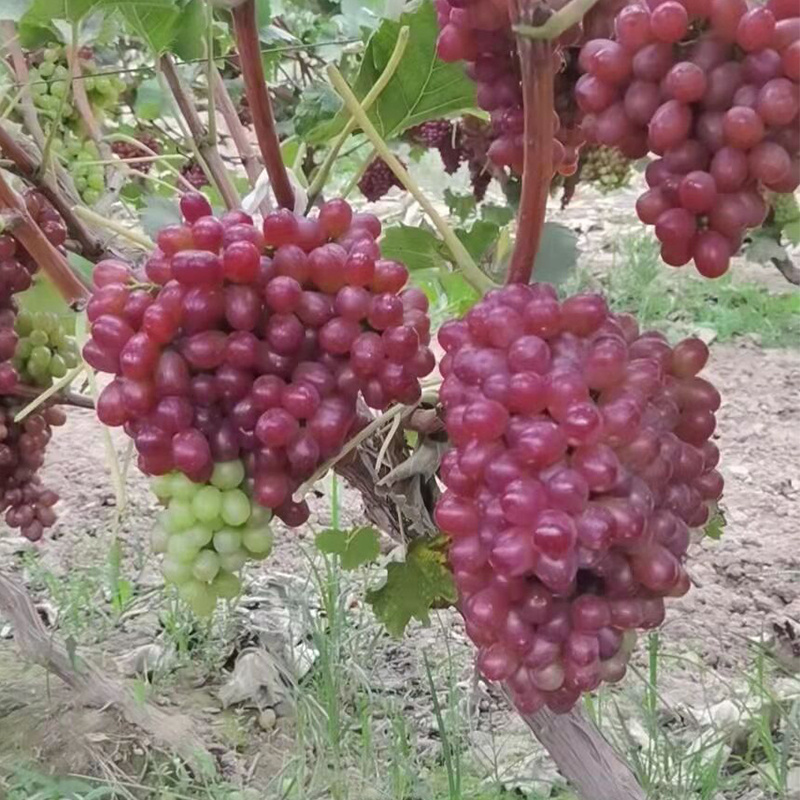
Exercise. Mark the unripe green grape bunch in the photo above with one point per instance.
(44, 351)
(80, 157)
(606, 168)
(208, 532)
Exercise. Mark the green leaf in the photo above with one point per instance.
(423, 87)
(153, 21)
(479, 239)
(82, 266)
(150, 103)
(415, 586)
(14, 9)
(792, 231)
(499, 215)
(417, 248)
(319, 103)
(355, 548)
(158, 212)
(716, 525)
(558, 254)
(44, 12)
(460, 205)
(461, 295)
(190, 32)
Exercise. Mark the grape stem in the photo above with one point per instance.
(63, 398)
(207, 148)
(559, 22)
(122, 137)
(29, 169)
(246, 32)
(473, 274)
(79, 90)
(372, 95)
(538, 86)
(50, 260)
(139, 239)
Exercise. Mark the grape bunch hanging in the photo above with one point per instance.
(256, 345)
(711, 88)
(581, 459)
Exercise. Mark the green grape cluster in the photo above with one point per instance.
(80, 157)
(785, 209)
(207, 533)
(605, 167)
(50, 84)
(44, 350)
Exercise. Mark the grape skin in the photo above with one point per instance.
(728, 112)
(567, 536)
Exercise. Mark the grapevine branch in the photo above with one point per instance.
(560, 22)
(538, 86)
(79, 92)
(49, 259)
(468, 267)
(65, 398)
(246, 33)
(29, 169)
(208, 149)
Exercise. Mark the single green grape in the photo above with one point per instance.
(52, 53)
(182, 548)
(61, 71)
(96, 180)
(23, 351)
(24, 323)
(58, 369)
(227, 585)
(181, 513)
(207, 504)
(200, 597)
(175, 571)
(162, 487)
(59, 89)
(258, 541)
(103, 85)
(91, 196)
(46, 69)
(70, 359)
(159, 540)
(235, 507)
(39, 358)
(233, 562)
(206, 566)
(227, 541)
(183, 487)
(228, 474)
(199, 535)
(80, 184)
(259, 515)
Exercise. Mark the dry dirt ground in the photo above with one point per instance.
(744, 583)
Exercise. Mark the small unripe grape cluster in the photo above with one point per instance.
(16, 275)
(581, 459)
(45, 350)
(479, 32)
(256, 344)
(605, 167)
(49, 85)
(80, 157)
(27, 504)
(128, 150)
(208, 532)
(711, 87)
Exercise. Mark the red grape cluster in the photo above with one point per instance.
(711, 87)
(28, 505)
(127, 150)
(581, 458)
(16, 275)
(442, 135)
(377, 180)
(194, 173)
(256, 344)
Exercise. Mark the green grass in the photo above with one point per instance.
(679, 301)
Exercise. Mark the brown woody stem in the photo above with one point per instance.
(255, 86)
(48, 258)
(29, 169)
(79, 93)
(538, 86)
(61, 398)
(207, 148)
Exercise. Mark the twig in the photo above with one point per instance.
(538, 86)
(372, 95)
(79, 89)
(26, 392)
(207, 148)
(246, 31)
(45, 395)
(121, 137)
(29, 115)
(139, 239)
(49, 259)
(45, 183)
(787, 269)
(560, 22)
(235, 127)
(463, 259)
(37, 645)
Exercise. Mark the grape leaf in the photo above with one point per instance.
(558, 254)
(158, 212)
(423, 88)
(153, 21)
(716, 525)
(792, 231)
(319, 103)
(190, 32)
(355, 547)
(461, 295)
(414, 586)
(150, 100)
(479, 239)
(462, 206)
(417, 248)
(499, 215)
(43, 12)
